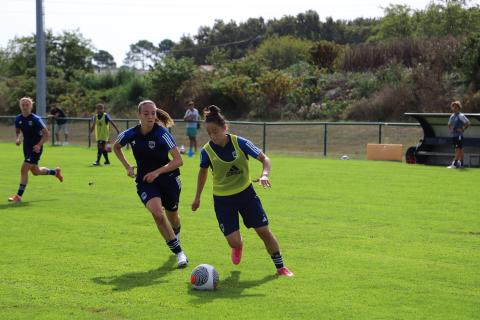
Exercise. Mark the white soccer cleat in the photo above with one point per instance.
(182, 260)
(452, 166)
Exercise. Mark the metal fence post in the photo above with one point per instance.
(53, 132)
(88, 132)
(325, 140)
(379, 133)
(264, 137)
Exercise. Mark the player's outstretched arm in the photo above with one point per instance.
(117, 149)
(202, 178)
(264, 181)
(115, 126)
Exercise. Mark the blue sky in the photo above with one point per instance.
(113, 25)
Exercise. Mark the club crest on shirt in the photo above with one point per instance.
(151, 144)
(20, 122)
(234, 154)
(30, 123)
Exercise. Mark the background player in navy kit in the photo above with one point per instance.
(158, 177)
(233, 193)
(34, 134)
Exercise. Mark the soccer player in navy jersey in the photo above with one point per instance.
(227, 156)
(34, 134)
(157, 177)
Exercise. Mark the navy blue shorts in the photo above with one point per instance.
(247, 204)
(31, 156)
(168, 190)
(458, 142)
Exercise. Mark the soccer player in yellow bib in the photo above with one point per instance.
(227, 157)
(101, 125)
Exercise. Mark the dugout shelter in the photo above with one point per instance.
(436, 147)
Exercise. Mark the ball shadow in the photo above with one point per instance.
(229, 288)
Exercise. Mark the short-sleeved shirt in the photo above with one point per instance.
(59, 115)
(31, 128)
(196, 117)
(457, 121)
(227, 153)
(150, 150)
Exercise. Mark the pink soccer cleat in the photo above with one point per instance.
(237, 254)
(15, 199)
(284, 272)
(58, 174)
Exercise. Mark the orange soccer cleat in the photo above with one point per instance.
(16, 198)
(58, 174)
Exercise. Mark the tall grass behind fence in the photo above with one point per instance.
(330, 139)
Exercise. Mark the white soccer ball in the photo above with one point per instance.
(204, 277)
(345, 157)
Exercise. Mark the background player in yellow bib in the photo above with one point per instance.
(227, 156)
(101, 125)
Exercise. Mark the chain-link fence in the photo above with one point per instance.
(330, 139)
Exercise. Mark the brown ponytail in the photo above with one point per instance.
(164, 118)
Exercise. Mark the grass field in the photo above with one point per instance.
(366, 240)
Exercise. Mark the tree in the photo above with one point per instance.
(308, 25)
(163, 82)
(142, 55)
(71, 52)
(165, 46)
(104, 60)
(281, 52)
(397, 23)
(470, 61)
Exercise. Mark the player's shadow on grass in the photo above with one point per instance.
(133, 280)
(21, 204)
(229, 288)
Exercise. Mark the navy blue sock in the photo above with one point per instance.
(174, 246)
(277, 260)
(51, 172)
(21, 189)
(105, 155)
(99, 154)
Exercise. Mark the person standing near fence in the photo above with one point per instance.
(101, 125)
(192, 118)
(60, 124)
(233, 193)
(457, 124)
(35, 133)
(157, 177)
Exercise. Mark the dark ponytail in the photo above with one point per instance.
(213, 115)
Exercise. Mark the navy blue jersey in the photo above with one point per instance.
(31, 128)
(150, 150)
(227, 153)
